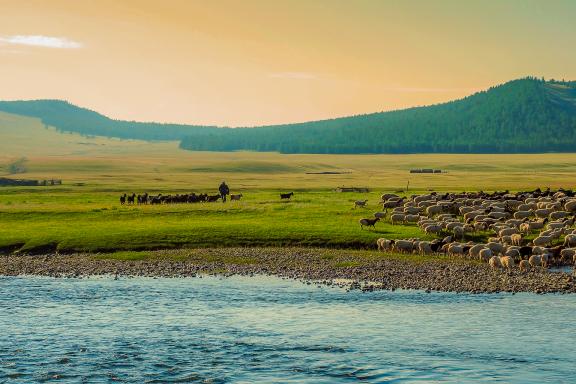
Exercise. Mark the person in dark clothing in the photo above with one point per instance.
(224, 190)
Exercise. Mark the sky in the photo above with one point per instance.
(252, 62)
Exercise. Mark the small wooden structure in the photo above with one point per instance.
(353, 189)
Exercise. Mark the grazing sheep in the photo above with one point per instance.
(368, 222)
(360, 203)
(567, 254)
(434, 210)
(524, 266)
(384, 244)
(424, 247)
(455, 249)
(411, 218)
(474, 251)
(380, 215)
(507, 232)
(397, 218)
(485, 254)
(404, 246)
(542, 213)
(559, 215)
(507, 262)
(570, 206)
(432, 229)
(494, 262)
(516, 239)
(538, 261)
(542, 240)
(570, 240)
(522, 214)
(388, 196)
(235, 197)
(512, 252)
(497, 248)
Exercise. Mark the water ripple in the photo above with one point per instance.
(262, 329)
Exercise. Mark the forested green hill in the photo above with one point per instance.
(521, 116)
(526, 115)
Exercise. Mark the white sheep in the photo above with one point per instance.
(494, 262)
(432, 229)
(424, 247)
(570, 240)
(507, 262)
(538, 261)
(397, 218)
(404, 246)
(384, 244)
(542, 240)
(485, 254)
(497, 248)
(524, 265)
(380, 215)
(516, 239)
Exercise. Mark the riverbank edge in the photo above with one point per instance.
(366, 270)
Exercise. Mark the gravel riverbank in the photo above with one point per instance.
(354, 269)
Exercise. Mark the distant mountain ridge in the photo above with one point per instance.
(522, 116)
(70, 118)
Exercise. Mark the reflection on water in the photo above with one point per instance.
(265, 329)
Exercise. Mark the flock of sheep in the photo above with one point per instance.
(532, 229)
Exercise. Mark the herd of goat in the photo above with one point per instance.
(183, 198)
(532, 229)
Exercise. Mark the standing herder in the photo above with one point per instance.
(224, 190)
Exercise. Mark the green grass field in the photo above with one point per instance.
(84, 213)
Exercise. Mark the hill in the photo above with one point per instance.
(522, 116)
(67, 117)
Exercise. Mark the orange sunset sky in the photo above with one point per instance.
(259, 62)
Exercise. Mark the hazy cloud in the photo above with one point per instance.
(40, 41)
(428, 90)
(293, 75)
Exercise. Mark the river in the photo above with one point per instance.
(266, 329)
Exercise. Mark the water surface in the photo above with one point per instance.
(265, 329)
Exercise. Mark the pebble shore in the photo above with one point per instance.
(332, 267)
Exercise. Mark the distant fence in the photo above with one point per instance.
(427, 170)
(4, 182)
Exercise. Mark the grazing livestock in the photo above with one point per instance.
(123, 199)
(384, 244)
(495, 263)
(507, 262)
(286, 195)
(538, 261)
(404, 246)
(235, 197)
(524, 266)
(368, 222)
(213, 198)
(485, 254)
(360, 203)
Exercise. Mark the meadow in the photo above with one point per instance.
(84, 213)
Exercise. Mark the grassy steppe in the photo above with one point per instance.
(84, 213)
